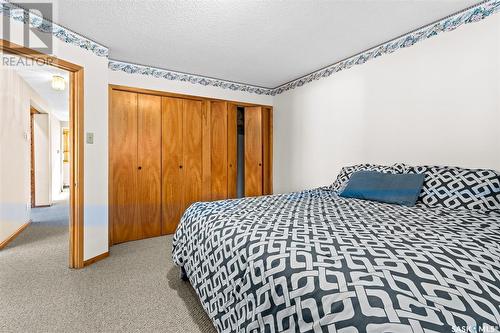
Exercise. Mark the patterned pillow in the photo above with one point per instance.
(454, 187)
(346, 173)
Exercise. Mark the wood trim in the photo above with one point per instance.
(232, 150)
(32, 158)
(16, 233)
(110, 207)
(267, 148)
(271, 151)
(96, 259)
(76, 169)
(76, 111)
(19, 50)
(33, 111)
(169, 94)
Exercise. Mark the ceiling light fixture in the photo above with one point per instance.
(58, 83)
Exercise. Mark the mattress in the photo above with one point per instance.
(311, 261)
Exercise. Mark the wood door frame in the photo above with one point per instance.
(32, 157)
(76, 142)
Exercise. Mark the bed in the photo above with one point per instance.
(312, 261)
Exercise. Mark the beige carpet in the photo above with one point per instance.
(136, 289)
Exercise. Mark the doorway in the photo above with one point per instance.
(76, 141)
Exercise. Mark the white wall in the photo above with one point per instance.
(14, 153)
(42, 159)
(148, 82)
(437, 102)
(16, 97)
(95, 155)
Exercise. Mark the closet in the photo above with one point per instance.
(249, 140)
(134, 166)
(167, 151)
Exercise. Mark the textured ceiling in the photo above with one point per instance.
(264, 43)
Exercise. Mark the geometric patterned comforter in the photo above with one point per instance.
(314, 262)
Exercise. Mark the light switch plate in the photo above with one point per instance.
(90, 138)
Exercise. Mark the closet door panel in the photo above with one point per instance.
(192, 145)
(206, 184)
(219, 168)
(267, 146)
(172, 159)
(253, 151)
(149, 165)
(123, 166)
(232, 151)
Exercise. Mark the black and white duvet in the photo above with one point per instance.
(314, 262)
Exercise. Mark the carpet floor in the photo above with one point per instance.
(136, 289)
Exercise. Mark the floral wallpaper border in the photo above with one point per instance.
(473, 14)
(470, 15)
(62, 33)
(183, 77)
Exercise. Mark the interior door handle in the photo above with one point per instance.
(140, 168)
(180, 166)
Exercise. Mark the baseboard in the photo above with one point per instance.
(42, 206)
(95, 259)
(14, 235)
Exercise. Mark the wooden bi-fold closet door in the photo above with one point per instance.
(192, 157)
(219, 150)
(134, 166)
(181, 158)
(253, 151)
(149, 165)
(258, 151)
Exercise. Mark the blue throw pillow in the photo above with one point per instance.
(402, 189)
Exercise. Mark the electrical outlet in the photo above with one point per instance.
(90, 138)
